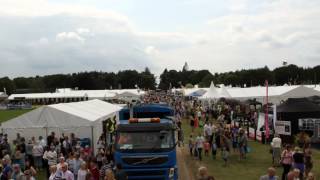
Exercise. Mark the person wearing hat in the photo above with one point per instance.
(298, 161)
(62, 161)
(7, 170)
(17, 173)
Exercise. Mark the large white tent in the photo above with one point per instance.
(3, 95)
(276, 94)
(82, 118)
(69, 95)
(223, 93)
(212, 93)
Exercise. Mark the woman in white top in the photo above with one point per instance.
(83, 171)
(53, 170)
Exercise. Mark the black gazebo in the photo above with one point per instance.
(302, 113)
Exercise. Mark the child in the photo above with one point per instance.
(225, 155)
(214, 150)
(191, 145)
(180, 137)
(206, 148)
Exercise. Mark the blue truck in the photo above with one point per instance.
(145, 143)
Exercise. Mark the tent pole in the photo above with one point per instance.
(47, 133)
(92, 144)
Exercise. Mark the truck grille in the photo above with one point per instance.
(157, 160)
(147, 173)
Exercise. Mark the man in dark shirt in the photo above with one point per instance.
(298, 161)
(120, 173)
(50, 139)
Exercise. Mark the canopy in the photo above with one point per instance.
(223, 93)
(212, 93)
(82, 118)
(276, 94)
(3, 95)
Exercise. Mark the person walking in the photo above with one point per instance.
(199, 145)
(37, 152)
(51, 157)
(191, 144)
(276, 150)
(308, 159)
(286, 161)
(82, 172)
(298, 161)
(243, 144)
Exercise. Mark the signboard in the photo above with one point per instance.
(259, 135)
(283, 127)
(308, 124)
(251, 133)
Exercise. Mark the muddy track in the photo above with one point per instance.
(185, 171)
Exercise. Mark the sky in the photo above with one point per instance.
(39, 37)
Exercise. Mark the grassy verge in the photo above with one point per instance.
(6, 115)
(9, 114)
(256, 164)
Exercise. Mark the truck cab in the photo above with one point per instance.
(145, 144)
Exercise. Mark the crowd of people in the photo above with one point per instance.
(215, 128)
(60, 158)
(297, 162)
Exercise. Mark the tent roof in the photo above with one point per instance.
(91, 110)
(212, 93)
(2, 94)
(78, 114)
(223, 93)
(67, 93)
(259, 91)
(273, 91)
(298, 105)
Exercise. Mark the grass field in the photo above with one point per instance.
(9, 114)
(258, 160)
(256, 164)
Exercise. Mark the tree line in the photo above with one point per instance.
(128, 79)
(289, 74)
(94, 80)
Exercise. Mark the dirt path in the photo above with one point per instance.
(185, 172)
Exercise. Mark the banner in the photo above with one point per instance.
(283, 127)
(266, 125)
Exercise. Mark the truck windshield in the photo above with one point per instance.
(145, 141)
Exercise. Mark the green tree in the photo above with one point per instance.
(7, 84)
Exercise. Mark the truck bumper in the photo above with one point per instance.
(152, 174)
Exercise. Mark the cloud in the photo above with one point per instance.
(42, 37)
(63, 36)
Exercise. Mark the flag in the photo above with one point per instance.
(266, 122)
